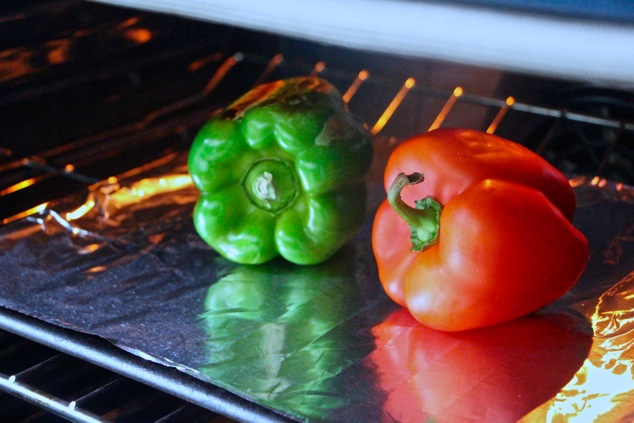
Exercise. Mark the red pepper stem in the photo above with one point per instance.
(424, 220)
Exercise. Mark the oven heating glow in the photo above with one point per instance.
(319, 68)
(114, 196)
(146, 188)
(442, 115)
(603, 384)
(18, 186)
(33, 210)
(81, 210)
(391, 108)
(354, 87)
(500, 115)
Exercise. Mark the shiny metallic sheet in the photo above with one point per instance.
(123, 261)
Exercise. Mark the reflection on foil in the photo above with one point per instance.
(34, 210)
(602, 390)
(109, 197)
(66, 225)
(109, 204)
(149, 187)
(496, 374)
(616, 190)
(280, 333)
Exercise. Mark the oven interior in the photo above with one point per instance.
(90, 92)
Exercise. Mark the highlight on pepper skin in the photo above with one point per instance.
(479, 232)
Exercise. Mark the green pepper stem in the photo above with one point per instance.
(424, 220)
(270, 184)
(264, 187)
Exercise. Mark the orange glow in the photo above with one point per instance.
(129, 22)
(200, 63)
(442, 115)
(391, 108)
(138, 35)
(58, 51)
(96, 269)
(319, 67)
(29, 212)
(577, 182)
(603, 389)
(15, 63)
(597, 181)
(277, 59)
(146, 188)
(17, 187)
(500, 115)
(356, 84)
(222, 71)
(80, 211)
(270, 67)
(90, 249)
(105, 196)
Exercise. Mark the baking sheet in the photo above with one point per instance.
(122, 261)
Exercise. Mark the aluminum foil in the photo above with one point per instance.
(122, 261)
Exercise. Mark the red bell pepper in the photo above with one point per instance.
(489, 237)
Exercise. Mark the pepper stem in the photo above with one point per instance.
(424, 220)
(265, 188)
(270, 184)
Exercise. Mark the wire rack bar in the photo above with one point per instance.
(81, 153)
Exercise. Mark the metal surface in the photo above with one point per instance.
(49, 386)
(310, 342)
(99, 351)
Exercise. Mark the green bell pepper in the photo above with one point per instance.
(281, 172)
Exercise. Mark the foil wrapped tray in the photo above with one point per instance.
(122, 261)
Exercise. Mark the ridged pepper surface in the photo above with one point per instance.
(281, 172)
(476, 230)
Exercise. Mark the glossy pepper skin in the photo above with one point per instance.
(491, 238)
(281, 172)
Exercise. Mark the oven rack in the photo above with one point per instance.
(78, 164)
(94, 388)
(137, 389)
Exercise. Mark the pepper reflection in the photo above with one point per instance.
(497, 374)
(281, 333)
